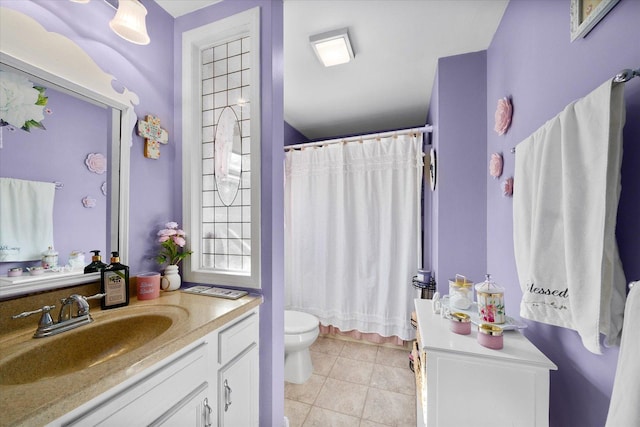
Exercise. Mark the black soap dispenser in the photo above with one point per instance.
(114, 283)
(96, 263)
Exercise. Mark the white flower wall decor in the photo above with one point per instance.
(96, 163)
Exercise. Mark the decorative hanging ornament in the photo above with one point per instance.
(154, 135)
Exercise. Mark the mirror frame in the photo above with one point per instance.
(27, 46)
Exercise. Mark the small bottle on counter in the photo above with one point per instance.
(96, 263)
(114, 282)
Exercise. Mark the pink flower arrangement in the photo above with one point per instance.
(495, 165)
(507, 187)
(503, 116)
(96, 163)
(172, 241)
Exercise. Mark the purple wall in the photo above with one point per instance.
(153, 73)
(272, 156)
(458, 114)
(532, 60)
(73, 129)
(292, 136)
(138, 68)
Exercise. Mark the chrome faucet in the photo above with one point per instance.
(67, 305)
(67, 320)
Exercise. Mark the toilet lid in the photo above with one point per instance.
(296, 322)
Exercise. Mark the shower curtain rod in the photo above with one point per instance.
(423, 129)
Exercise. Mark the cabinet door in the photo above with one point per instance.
(150, 397)
(238, 391)
(193, 410)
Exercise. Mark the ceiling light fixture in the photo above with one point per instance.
(129, 22)
(333, 47)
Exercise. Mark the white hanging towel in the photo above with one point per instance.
(623, 408)
(565, 200)
(26, 219)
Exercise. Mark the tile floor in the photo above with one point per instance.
(354, 384)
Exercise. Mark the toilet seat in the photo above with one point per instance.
(297, 322)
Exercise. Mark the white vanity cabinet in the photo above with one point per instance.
(238, 380)
(462, 383)
(211, 382)
(194, 410)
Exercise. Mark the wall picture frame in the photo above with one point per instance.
(585, 14)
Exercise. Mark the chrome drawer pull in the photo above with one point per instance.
(227, 396)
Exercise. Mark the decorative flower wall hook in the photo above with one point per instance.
(89, 202)
(96, 163)
(507, 187)
(495, 165)
(503, 116)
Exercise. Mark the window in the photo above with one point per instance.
(221, 151)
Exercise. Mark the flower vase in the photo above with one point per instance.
(171, 280)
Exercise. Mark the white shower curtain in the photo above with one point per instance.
(352, 233)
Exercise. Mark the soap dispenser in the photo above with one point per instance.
(96, 263)
(114, 283)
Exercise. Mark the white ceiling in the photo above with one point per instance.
(397, 44)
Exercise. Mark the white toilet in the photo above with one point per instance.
(300, 331)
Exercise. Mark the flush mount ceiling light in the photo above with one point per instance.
(333, 47)
(129, 22)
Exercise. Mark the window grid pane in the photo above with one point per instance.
(226, 239)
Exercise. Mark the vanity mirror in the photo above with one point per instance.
(54, 61)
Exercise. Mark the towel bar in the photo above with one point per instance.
(622, 77)
(626, 75)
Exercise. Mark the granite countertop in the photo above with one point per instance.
(40, 402)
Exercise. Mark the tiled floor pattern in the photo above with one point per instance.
(354, 384)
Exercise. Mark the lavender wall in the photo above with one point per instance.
(458, 213)
(532, 60)
(156, 184)
(74, 128)
(272, 156)
(145, 70)
(292, 136)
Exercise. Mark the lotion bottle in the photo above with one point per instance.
(114, 282)
(96, 263)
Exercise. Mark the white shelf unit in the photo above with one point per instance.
(464, 383)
